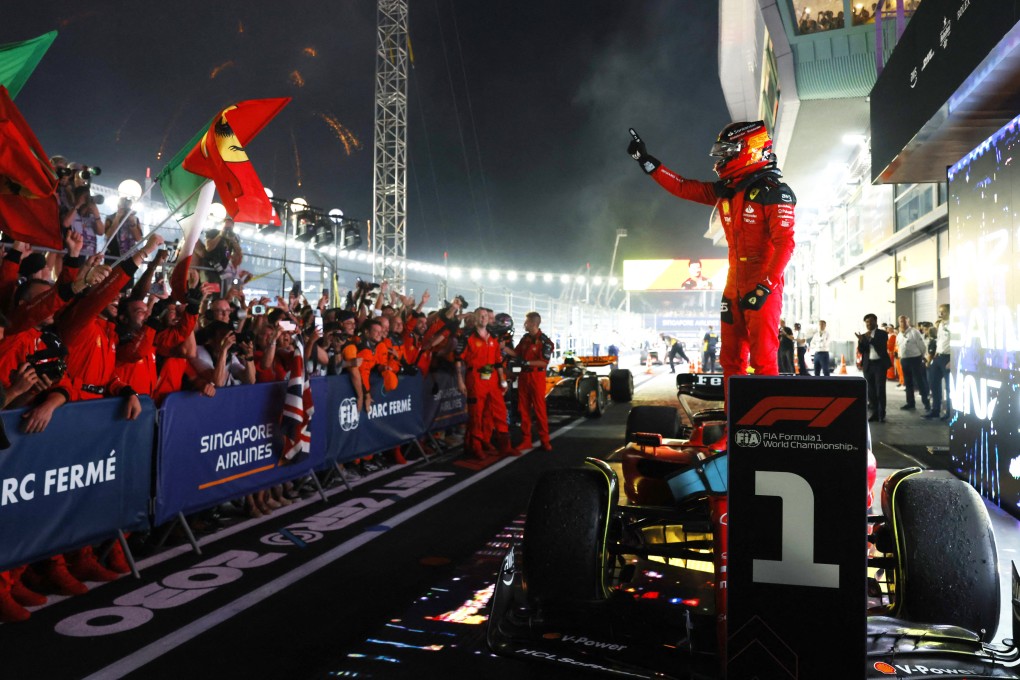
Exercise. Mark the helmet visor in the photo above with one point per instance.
(725, 149)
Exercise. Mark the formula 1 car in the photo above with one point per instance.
(631, 589)
(573, 388)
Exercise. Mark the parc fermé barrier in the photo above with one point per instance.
(92, 473)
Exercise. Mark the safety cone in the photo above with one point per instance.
(842, 365)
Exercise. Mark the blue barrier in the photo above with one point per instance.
(75, 483)
(91, 472)
(214, 450)
(445, 405)
(395, 418)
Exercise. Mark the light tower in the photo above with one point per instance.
(389, 206)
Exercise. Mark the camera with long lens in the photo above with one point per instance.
(50, 360)
(366, 286)
(84, 173)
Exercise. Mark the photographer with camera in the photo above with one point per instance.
(222, 255)
(130, 232)
(221, 359)
(84, 218)
(36, 302)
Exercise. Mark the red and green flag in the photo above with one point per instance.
(217, 152)
(18, 60)
(28, 202)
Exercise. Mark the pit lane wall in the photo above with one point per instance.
(91, 472)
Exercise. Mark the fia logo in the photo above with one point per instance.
(348, 414)
(748, 438)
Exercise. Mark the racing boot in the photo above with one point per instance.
(398, 457)
(473, 447)
(504, 446)
(84, 566)
(546, 445)
(117, 560)
(487, 447)
(52, 576)
(10, 610)
(25, 597)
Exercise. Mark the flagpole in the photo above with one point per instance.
(159, 226)
(109, 239)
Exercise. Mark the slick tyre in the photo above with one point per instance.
(948, 567)
(621, 385)
(663, 420)
(592, 397)
(565, 536)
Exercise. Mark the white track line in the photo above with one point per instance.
(154, 650)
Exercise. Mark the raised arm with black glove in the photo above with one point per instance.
(638, 152)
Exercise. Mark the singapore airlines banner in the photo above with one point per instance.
(984, 196)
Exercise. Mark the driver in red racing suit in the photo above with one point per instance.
(757, 213)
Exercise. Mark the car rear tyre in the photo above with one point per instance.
(948, 568)
(621, 385)
(592, 397)
(565, 536)
(662, 420)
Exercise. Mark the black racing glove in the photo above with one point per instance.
(755, 300)
(638, 152)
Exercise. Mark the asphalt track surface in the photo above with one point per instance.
(389, 579)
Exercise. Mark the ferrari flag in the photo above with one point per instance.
(217, 152)
(28, 203)
(18, 60)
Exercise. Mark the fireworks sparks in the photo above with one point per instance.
(297, 157)
(309, 52)
(240, 26)
(217, 69)
(169, 127)
(296, 79)
(341, 132)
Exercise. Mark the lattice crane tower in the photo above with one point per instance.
(389, 207)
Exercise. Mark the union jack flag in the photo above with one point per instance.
(297, 413)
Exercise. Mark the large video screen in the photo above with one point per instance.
(674, 275)
(984, 195)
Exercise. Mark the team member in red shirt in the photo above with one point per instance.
(757, 212)
(484, 383)
(536, 349)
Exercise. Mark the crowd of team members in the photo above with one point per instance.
(77, 328)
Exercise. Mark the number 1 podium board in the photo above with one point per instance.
(797, 525)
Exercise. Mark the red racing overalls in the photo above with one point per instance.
(482, 359)
(531, 385)
(757, 214)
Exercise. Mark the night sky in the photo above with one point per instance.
(518, 111)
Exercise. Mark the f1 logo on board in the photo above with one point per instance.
(818, 411)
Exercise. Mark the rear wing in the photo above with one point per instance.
(605, 360)
(705, 386)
